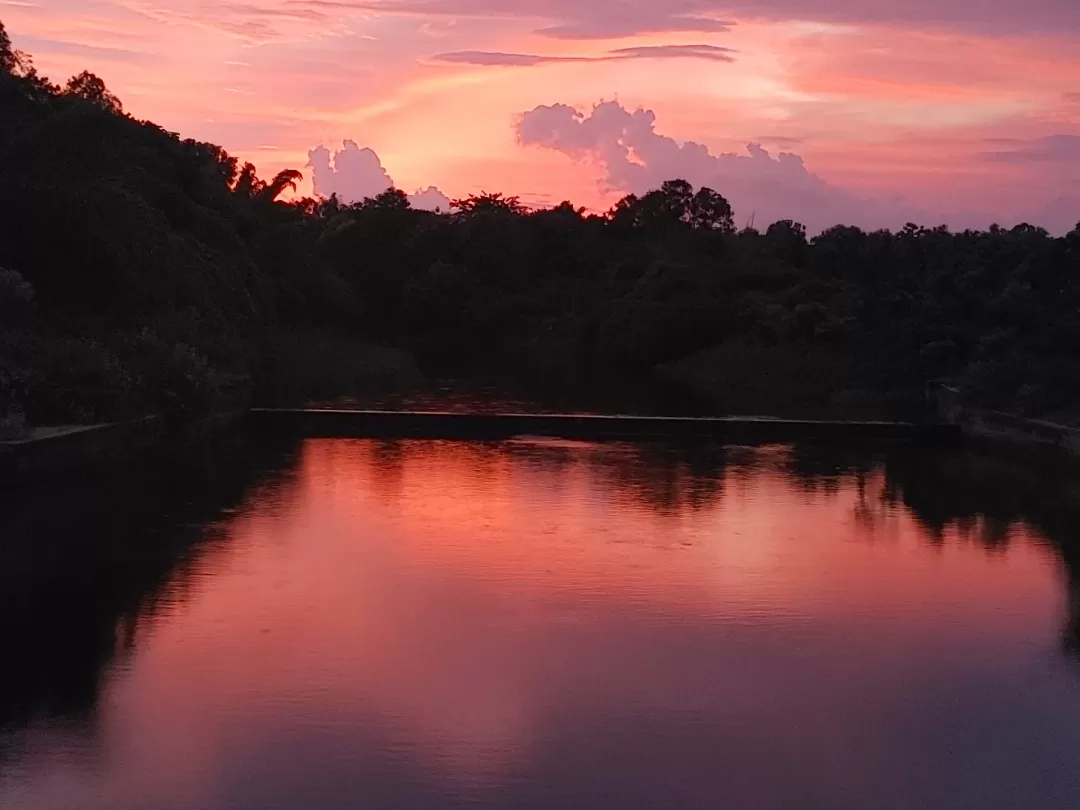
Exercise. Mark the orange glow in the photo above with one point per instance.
(272, 79)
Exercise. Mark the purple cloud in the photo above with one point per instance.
(712, 52)
(568, 19)
(762, 188)
(355, 174)
(351, 173)
(430, 199)
(275, 20)
(495, 59)
(1005, 17)
(606, 19)
(1051, 149)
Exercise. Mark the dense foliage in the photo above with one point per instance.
(144, 272)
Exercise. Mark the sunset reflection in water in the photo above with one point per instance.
(554, 624)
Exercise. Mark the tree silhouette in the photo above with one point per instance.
(247, 182)
(9, 61)
(710, 211)
(283, 180)
(15, 63)
(485, 203)
(567, 208)
(393, 199)
(788, 241)
(89, 87)
(674, 205)
(176, 266)
(218, 165)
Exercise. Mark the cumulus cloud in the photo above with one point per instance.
(764, 187)
(495, 59)
(761, 187)
(351, 173)
(355, 174)
(430, 199)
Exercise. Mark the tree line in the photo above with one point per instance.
(141, 271)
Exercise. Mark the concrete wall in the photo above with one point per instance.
(1006, 430)
(84, 449)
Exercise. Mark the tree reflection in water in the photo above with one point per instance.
(85, 564)
(86, 568)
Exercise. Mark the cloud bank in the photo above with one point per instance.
(355, 174)
(761, 187)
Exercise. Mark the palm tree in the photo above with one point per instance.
(284, 179)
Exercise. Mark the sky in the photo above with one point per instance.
(866, 112)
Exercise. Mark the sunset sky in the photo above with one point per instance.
(873, 112)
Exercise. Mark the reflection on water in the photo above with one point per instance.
(541, 624)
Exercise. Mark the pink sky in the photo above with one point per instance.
(965, 112)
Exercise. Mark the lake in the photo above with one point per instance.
(323, 624)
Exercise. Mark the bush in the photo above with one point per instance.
(13, 376)
(784, 380)
(171, 377)
(74, 380)
(322, 365)
(16, 297)
(12, 423)
(326, 297)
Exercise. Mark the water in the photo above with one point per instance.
(357, 624)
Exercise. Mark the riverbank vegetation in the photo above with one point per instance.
(146, 272)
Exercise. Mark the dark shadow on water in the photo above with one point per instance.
(83, 564)
(987, 496)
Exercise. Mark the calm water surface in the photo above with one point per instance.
(537, 624)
